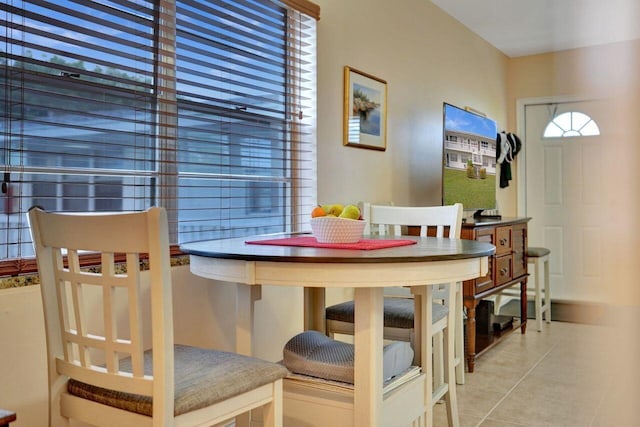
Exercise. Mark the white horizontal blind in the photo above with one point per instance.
(239, 127)
(205, 107)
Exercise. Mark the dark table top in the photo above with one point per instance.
(426, 249)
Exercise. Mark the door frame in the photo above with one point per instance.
(571, 311)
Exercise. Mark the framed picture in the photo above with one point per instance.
(365, 110)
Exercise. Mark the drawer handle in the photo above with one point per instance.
(504, 271)
(503, 241)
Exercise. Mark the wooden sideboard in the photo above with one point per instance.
(506, 268)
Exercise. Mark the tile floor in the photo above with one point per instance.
(557, 377)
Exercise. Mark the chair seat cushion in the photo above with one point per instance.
(315, 354)
(398, 312)
(534, 252)
(202, 378)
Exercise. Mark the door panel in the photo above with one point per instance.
(564, 196)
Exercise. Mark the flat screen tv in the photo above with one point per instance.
(469, 160)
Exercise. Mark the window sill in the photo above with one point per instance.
(24, 272)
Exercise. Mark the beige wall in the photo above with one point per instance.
(605, 71)
(426, 58)
(608, 73)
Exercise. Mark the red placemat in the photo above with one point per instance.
(311, 242)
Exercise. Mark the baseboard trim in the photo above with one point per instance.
(564, 311)
(577, 312)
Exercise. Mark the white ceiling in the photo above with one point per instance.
(528, 27)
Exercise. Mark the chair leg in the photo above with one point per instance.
(439, 360)
(497, 304)
(273, 411)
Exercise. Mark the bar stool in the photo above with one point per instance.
(537, 257)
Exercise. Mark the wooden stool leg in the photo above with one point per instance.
(547, 292)
(538, 297)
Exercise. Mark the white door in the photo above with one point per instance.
(566, 197)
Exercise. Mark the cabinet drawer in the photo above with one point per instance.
(485, 235)
(483, 284)
(504, 240)
(504, 269)
(519, 250)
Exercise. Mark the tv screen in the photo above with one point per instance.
(469, 159)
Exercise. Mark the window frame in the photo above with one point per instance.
(165, 179)
(571, 131)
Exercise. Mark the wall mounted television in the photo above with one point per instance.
(469, 160)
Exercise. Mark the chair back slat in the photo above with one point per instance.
(389, 220)
(87, 294)
(96, 316)
(446, 221)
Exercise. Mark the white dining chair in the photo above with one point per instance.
(109, 329)
(446, 221)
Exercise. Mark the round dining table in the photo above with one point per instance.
(368, 266)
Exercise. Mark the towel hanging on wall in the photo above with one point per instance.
(508, 145)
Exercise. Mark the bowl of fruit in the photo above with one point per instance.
(337, 224)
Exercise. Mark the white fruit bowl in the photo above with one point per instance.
(328, 229)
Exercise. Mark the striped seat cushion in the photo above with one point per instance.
(398, 312)
(202, 378)
(315, 354)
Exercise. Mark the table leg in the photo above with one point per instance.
(246, 296)
(314, 306)
(368, 357)
(471, 304)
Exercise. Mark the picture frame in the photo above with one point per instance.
(365, 110)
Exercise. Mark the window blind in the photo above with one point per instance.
(205, 107)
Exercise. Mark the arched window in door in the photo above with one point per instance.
(572, 123)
